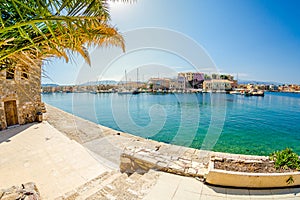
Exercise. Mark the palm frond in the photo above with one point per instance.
(45, 28)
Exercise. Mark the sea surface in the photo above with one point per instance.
(218, 122)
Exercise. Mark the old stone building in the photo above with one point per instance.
(20, 97)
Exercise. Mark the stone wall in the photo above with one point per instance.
(2, 117)
(25, 89)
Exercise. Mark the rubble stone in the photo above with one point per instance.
(26, 191)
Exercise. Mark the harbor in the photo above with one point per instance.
(252, 125)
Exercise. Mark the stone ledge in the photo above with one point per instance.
(141, 160)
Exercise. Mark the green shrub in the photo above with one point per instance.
(285, 159)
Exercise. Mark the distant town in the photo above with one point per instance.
(187, 82)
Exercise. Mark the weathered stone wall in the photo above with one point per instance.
(24, 90)
(2, 117)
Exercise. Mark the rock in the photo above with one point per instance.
(27, 191)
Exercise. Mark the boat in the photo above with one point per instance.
(234, 92)
(136, 91)
(258, 93)
(124, 90)
(255, 93)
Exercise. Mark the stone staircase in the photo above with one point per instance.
(114, 185)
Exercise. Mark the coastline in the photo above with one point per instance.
(252, 126)
(48, 154)
(108, 144)
(103, 140)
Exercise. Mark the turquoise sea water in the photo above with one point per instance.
(219, 122)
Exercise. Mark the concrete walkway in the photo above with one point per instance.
(174, 187)
(39, 153)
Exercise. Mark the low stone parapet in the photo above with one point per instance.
(141, 160)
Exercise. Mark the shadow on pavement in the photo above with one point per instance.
(6, 134)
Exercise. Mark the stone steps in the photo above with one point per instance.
(94, 187)
(91, 187)
(133, 187)
(114, 190)
(114, 185)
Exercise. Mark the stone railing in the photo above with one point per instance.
(141, 160)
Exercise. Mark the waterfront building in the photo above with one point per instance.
(173, 84)
(217, 85)
(234, 84)
(181, 82)
(20, 95)
(159, 83)
(131, 84)
(190, 80)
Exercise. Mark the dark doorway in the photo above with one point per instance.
(11, 113)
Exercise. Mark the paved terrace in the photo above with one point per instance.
(71, 157)
(39, 153)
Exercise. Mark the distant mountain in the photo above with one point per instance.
(104, 82)
(259, 82)
(49, 85)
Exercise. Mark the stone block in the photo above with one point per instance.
(160, 159)
(174, 166)
(125, 160)
(150, 160)
(192, 171)
(162, 165)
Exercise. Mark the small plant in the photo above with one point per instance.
(286, 159)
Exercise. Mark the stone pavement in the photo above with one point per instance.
(41, 154)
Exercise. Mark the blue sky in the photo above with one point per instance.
(258, 39)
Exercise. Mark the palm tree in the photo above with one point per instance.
(32, 30)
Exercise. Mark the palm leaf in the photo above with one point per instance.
(45, 28)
